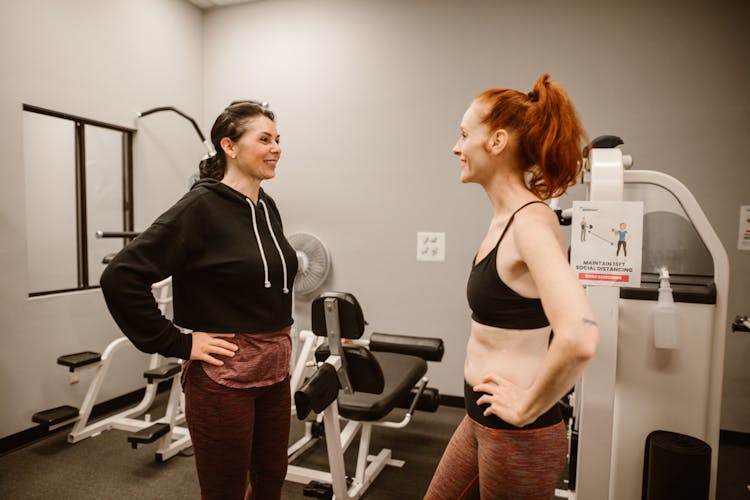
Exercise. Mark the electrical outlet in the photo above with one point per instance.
(431, 247)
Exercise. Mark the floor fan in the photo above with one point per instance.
(314, 264)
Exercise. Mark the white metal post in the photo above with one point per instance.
(596, 391)
(335, 451)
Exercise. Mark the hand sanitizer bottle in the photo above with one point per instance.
(665, 315)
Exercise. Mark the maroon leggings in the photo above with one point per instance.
(238, 434)
(496, 464)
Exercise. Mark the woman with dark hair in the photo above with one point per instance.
(522, 148)
(232, 273)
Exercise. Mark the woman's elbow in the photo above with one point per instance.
(580, 347)
(109, 279)
(585, 346)
(105, 278)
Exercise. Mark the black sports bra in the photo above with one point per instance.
(493, 303)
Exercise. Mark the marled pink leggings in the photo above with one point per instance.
(498, 464)
(238, 434)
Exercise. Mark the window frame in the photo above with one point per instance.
(79, 138)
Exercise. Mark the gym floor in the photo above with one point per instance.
(105, 467)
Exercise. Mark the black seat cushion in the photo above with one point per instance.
(401, 373)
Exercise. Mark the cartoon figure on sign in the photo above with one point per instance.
(585, 228)
(622, 239)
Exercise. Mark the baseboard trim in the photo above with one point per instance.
(734, 437)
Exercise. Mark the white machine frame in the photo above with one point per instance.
(175, 440)
(595, 394)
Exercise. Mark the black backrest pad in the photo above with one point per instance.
(364, 370)
(351, 319)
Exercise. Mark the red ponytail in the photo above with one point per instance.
(550, 134)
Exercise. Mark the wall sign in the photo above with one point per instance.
(743, 243)
(606, 241)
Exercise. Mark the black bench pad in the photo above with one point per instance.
(54, 416)
(401, 373)
(79, 359)
(162, 372)
(149, 434)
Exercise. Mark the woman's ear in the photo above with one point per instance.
(229, 147)
(498, 141)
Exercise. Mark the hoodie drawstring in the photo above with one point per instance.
(278, 247)
(267, 283)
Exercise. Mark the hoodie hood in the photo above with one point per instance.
(263, 202)
(223, 190)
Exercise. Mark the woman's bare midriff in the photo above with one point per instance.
(513, 354)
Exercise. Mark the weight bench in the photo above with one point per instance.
(362, 381)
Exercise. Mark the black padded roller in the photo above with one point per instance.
(318, 392)
(428, 401)
(676, 466)
(427, 348)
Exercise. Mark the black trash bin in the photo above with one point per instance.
(676, 466)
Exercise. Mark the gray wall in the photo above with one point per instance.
(106, 60)
(369, 95)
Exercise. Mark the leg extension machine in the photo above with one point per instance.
(361, 381)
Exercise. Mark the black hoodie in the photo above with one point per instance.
(224, 254)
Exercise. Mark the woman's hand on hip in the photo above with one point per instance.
(206, 345)
(506, 399)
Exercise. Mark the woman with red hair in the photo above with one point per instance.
(522, 148)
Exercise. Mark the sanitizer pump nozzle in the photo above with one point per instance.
(665, 315)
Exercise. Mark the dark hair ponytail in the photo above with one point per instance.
(231, 124)
(550, 133)
(213, 167)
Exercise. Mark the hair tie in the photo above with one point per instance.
(533, 96)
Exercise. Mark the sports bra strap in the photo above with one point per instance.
(511, 219)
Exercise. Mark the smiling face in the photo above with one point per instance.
(256, 153)
(472, 147)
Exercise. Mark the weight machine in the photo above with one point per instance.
(360, 381)
(168, 432)
(632, 387)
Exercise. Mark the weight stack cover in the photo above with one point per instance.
(675, 466)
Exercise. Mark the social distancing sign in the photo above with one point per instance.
(606, 242)
(743, 243)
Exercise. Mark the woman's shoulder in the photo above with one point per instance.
(536, 224)
(536, 213)
(191, 203)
